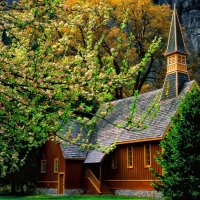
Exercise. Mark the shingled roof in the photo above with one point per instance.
(175, 41)
(107, 133)
(72, 151)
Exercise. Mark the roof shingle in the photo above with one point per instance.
(175, 41)
(72, 151)
(107, 133)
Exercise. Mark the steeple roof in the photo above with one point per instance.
(175, 41)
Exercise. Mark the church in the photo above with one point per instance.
(124, 171)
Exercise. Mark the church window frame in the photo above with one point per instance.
(171, 60)
(147, 155)
(114, 160)
(43, 166)
(130, 156)
(55, 165)
(181, 59)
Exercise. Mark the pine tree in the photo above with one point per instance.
(180, 158)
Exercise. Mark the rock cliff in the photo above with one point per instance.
(189, 14)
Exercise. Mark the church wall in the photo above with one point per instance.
(137, 177)
(74, 173)
(49, 179)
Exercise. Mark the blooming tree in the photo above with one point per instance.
(49, 79)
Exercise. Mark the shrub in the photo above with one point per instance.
(180, 158)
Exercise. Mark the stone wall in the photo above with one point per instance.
(54, 191)
(138, 193)
(45, 191)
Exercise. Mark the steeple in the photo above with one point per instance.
(176, 53)
(175, 41)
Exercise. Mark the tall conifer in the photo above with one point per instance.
(180, 158)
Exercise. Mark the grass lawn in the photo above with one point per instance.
(83, 197)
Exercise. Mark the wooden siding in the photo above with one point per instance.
(74, 174)
(136, 177)
(130, 184)
(89, 188)
(49, 152)
(47, 184)
(91, 184)
(72, 169)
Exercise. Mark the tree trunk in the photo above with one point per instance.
(13, 188)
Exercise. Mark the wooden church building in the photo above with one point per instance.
(125, 171)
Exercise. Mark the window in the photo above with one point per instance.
(147, 155)
(55, 166)
(171, 60)
(182, 59)
(130, 156)
(114, 160)
(43, 167)
(179, 59)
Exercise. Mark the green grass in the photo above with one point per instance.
(83, 197)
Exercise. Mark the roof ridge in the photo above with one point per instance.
(142, 94)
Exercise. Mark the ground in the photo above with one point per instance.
(84, 197)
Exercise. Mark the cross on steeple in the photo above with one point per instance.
(176, 53)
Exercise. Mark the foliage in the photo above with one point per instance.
(24, 180)
(142, 24)
(55, 69)
(137, 23)
(180, 158)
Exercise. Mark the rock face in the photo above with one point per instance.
(189, 14)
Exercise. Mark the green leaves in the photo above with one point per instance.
(180, 159)
(61, 66)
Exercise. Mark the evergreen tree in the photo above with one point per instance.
(180, 158)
